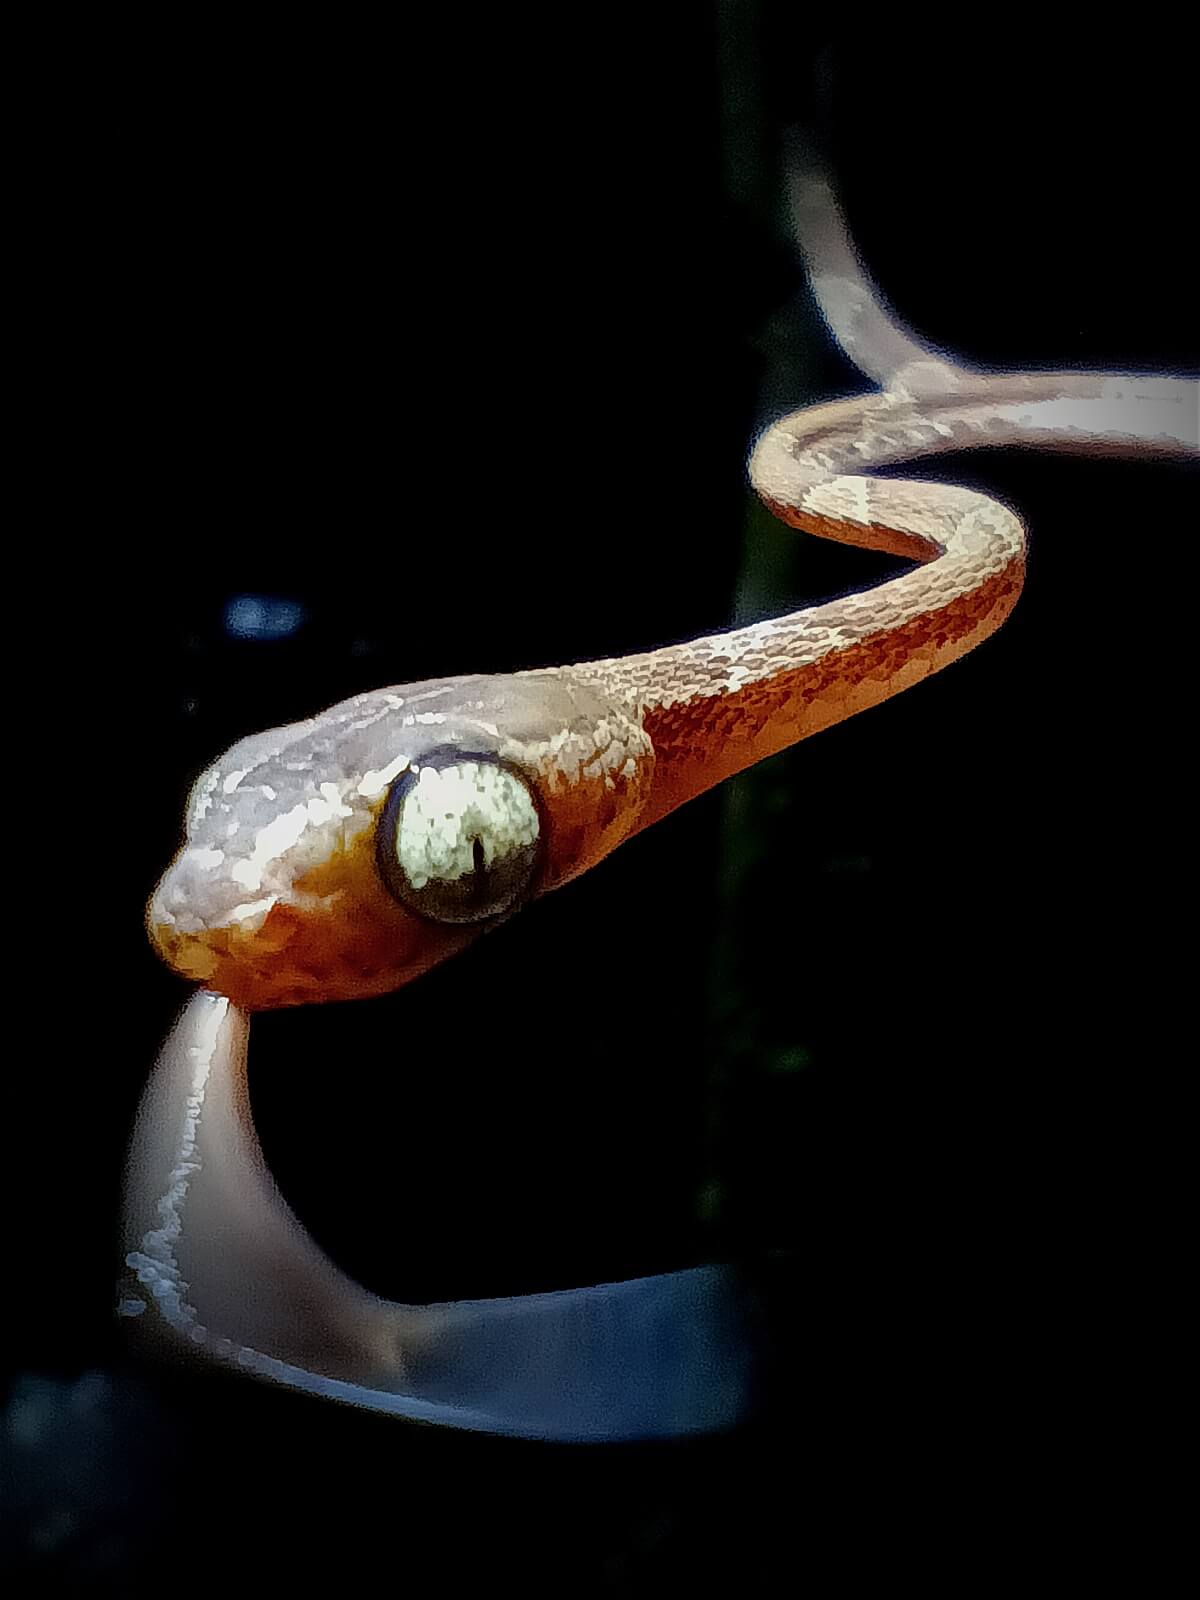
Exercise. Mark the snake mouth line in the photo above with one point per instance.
(218, 1266)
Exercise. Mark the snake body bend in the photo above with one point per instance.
(284, 891)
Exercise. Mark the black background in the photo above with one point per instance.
(458, 337)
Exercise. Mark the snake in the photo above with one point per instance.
(342, 856)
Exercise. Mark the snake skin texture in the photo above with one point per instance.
(276, 897)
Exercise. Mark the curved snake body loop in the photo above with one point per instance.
(277, 897)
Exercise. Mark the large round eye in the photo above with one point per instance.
(458, 840)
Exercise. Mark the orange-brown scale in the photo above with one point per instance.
(702, 741)
(347, 939)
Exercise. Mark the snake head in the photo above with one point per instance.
(342, 856)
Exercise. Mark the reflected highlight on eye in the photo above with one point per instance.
(459, 838)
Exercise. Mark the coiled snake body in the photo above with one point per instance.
(342, 856)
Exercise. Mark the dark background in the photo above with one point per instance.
(458, 339)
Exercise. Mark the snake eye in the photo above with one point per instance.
(458, 840)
